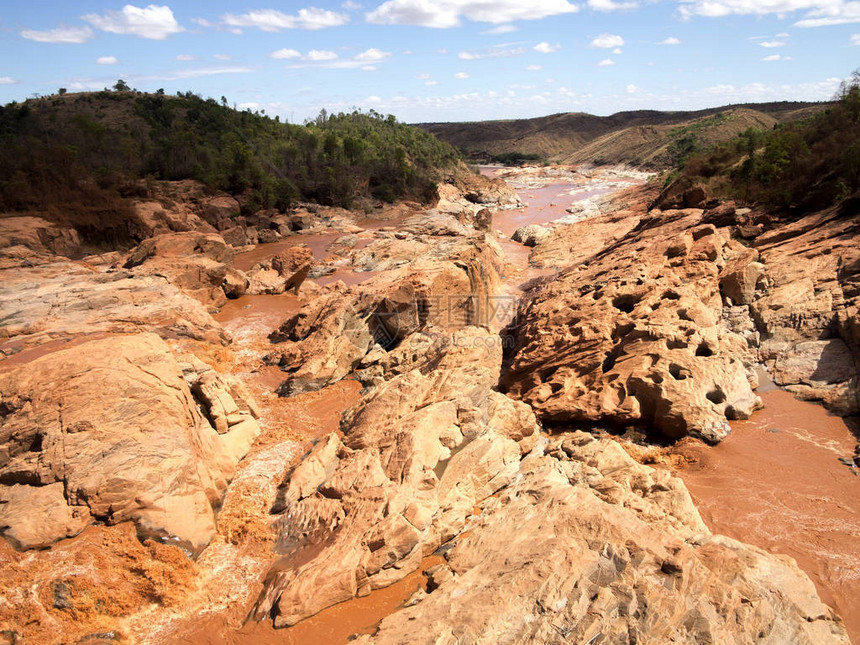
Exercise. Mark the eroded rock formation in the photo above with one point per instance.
(545, 539)
(107, 415)
(634, 334)
(151, 446)
(361, 512)
(585, 545)
(446, 286)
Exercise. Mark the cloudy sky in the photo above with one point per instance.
(437, 60)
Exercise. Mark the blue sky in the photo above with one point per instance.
(437, 60)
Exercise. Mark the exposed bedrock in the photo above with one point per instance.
(544, 540)
(117, 429)
(588, 546)
(54, 300)
(663, 325)
(634, 335)
(196, 263)
(446, 285)
(416, 456)
(808, 318)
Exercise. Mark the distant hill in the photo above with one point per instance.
(645, 138)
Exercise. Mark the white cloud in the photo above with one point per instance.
(430, 83)
(202, 22)
(316, 55)
(107, 60)
(534, 68)
(607, 41)
(366, 60)
(422, 77)
(611, 5)
(839, 13)
(349, 5)
(632, 89)
(154, 21)
(222, 56)
(443, 14)
(546, 48)
(855, 40)
(617, 50)
(494, 52)
(606, 62)
(372, 55)
(773, 43)
(671, 40)
(774, 57)
(272, 20)
(817, 12)
(761, 92)
(185, 57)
(501, 29)
(285, 53)
(461, 75)
(62, 34)
(194, 73)
(7, 80)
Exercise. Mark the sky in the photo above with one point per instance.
(437, 60)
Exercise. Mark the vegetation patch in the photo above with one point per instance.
(803, 165)
(74, 152)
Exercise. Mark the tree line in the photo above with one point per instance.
(804, 165)
(70, 150)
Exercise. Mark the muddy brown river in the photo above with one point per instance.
(775, 482)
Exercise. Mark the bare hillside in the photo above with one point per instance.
(644, 138)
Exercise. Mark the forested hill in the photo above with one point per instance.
(798, 167)
(86, 151)
(645, 138)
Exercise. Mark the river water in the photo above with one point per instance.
(775, 482)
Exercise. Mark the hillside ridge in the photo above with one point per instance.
(645, 138)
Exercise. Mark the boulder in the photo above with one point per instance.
(196, 263)
(265, 281)
(530, 235)
(235, 236)
(218, 209)
(235, 283)
(294, 264)
(157, 445)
